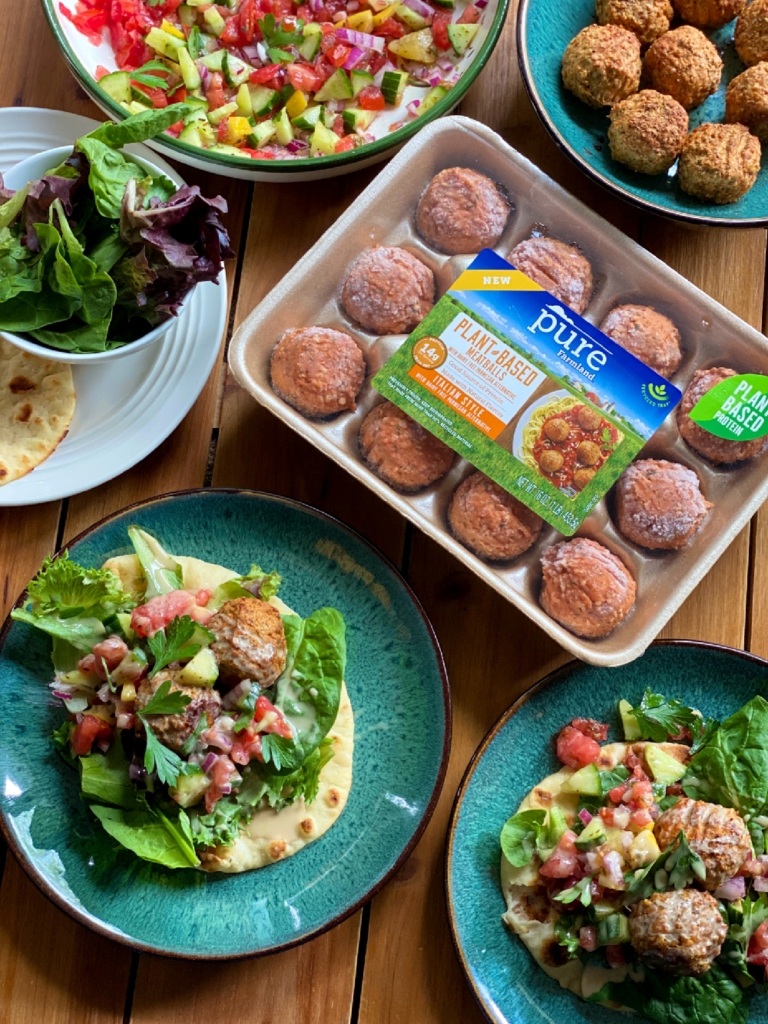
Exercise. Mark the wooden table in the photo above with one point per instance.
(393, 961)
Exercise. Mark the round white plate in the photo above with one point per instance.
(125, 408)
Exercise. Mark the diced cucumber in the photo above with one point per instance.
(263, 99)
(613, 930)
(235, 70)
(191, 135)
(356, 120)
(196, 43)
(323, 140)
(283, 127)
(418, 46)
(197, 102)
(308, 118)
(393, 86)
(664, 768)
(202, 670)
(163, 43)
(592, 836)
(222, 147)
(337, 87)
(309, 47)
(186, 15)
(214, 21)
(629, 722)
(360, 80)
(134, 107)
(434, 96)
(139, 97)
(262, 134)
(124, 618)
(410, 18)
(585, 781)
(461, 36)
(603, 909)
(328, 118)
(214, 61)
(243, 100)
(189, 71)
(218, 115)
(189, 789)
(312, 28)
(117, 85)
(556, 824)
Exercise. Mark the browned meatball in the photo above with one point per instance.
(647, 131)
(751, 35)
(462, 211)
(659, 504)
(588, 453)
(716, 449)
(557, 429)
(588, 418)
(585, 587)
(387, 290)
(558, 267)
(685, 65)
(678, 932)
(489, 521)
(708, 13)
(551, 461)
(602, 65)
(647, 334)
(719, 162)
(582, 476)
(317, 370)
(401, 451)
(174, 730)
(648, 19)
(250, 640)
(746, 100)
(716, 833)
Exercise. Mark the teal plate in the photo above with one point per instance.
(544, 29)
(516, 754)
(399, 693)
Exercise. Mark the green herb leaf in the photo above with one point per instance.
(163, 702)
(275, 35)
(658, 718)
(744, 917)
(582, 892)
(519, 835)
(167, 763)
(172, 644)
(567, 933)
(151, 835)
(143, 76)
(714, 998)
(161, 570)
(677, 866)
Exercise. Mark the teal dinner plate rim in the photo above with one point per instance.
(533, 691)
(607, 183)
(94, 923)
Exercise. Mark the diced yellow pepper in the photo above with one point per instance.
(361, 22)
(381, 17)
(128, 693)
(238, 129)
(172, 30)
(296, 104)
(643, 850)
(415, 46)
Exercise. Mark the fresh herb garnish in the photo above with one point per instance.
(157, 757)
(274, 749)
(143, 75)
(519, 835)
(659, 718)
(275, 35)
(173, 644)
(567, 933)
(582, 892)
(675, 867)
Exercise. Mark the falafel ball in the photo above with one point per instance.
(685, 65)
(317, 370)
(557, 429)
(746, 100)
(751, 35)
(401, 451)
(659, 504)
(716, 449)
(557, 266)
(716, 833)
(647, 334)
(678, 932)
(173, 731)
(719, 162)
(602, 65)
(588, 418)
(250, 640)
(708, 13)
(647, 131)
(648, 19)
(462, 211)
(387, 290)
(491, 522)
(585, 587)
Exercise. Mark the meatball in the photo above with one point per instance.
(659, 504)
(585, 587)
(716, 449)
(250, 640)
(588, 453)
(582, 476)
(588, 418)
(716, 833)
(602, 65)
(462, 211)
(174, 730)
(719, 162)
(685, 65)
(558, 267)
(647, 131)
(557, 429)
(648, 19)
(746, 100)
(387, 290)
(647, 334)
(317, 370)
(551, 461)
(401, 451)
(708, 13)
(751, 35)
(679, 932)
(489, 521)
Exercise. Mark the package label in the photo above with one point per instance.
(736, 408)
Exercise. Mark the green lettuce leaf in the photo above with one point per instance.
(139, 127)
(104, 778)
(161, 571)
(256, 583)
(744, 917)
(151, 835)
(519, 835)
(713, 998)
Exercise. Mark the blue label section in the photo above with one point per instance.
(547, 330)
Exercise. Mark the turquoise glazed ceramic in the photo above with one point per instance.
(516, 754)
(399, 694)
(545, 27)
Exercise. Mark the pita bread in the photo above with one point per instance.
(37, 402)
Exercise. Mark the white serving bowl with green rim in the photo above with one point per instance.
(83, 57)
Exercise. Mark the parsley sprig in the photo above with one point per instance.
(158, 757)
(143, 75)
(275, 35)
(582, 892)
(659, 718)
(173, 643)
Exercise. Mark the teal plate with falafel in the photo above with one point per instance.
(544, 29)
(399, 694)
(518, 752)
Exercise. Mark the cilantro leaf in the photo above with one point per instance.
(567, 933)
(167, 763)
(173, 644)
(582, 892)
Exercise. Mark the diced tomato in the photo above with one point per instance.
(221, 772)
(343, 145)
(262, 76)
(469, 16)
(338, 54)
(440, 23)
(214, 91)
(640, 795)
(159, 611)
(588, 938)
(90, 23)
(615, 956)
(223, 130)
(302, 77)
(391, 29)
(757, 950)
(88, 731)
(280, 726)
(575, 749)
(157, 96)
(338, 126)
(328, 41)
(304, 12)
(640, 819)
(246, 747)
(101, 71)
(595, 730)
(564, 861)
(179, 96)
(256, 154)
(371, 98)
(618, 792)
(231, 34)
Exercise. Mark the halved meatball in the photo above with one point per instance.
(250, 640)
(716, 833)
(678, 932)
(175, 730)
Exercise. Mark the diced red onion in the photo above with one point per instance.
(356, 54)
(621, 816)
(612, 864)
(481, 4)
(760, 884)
(435, 79)
(421, 8)
(353, 5)
(316, 5)
(368, 42)
(585, 816)
(125, 721)
(225, 790)
(251, 52)
(103, 745)
(234, 695)
(734, 889)
(104, 693)
(378, 78)
(413, 107)
(454, 78)
(445, 64)
(334, 106)
(209, 762)
(205, 74)
(296, 145)
(61, 695)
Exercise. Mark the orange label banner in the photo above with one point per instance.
(457, 399)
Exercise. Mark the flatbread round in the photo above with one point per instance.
(37, 402)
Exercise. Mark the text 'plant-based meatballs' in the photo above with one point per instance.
(719, 162)
(175, 730)
(716, 449)
(746, 100)
(557, 266)
(491, 522)
(250, 641)
(401, 451)
(717, 834)
(647, 131)
(751, 35)
(708, 13)
(684, 64)
(659, 504)
(602, 65)
(318, 371)
(585, 587)
(462, 211)
(647, 334)
(678, 932)
(648, 19)
(388, 291)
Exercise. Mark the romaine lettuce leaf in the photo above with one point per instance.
(151, 835)
(256, 583)
(139, 127)
(161, 571)
(104, 778)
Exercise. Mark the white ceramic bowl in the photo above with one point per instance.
(30, 170)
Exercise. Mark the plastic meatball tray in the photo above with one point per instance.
(624, 273)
